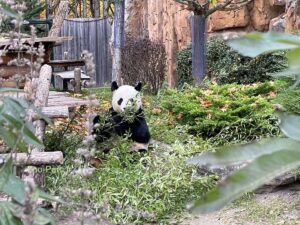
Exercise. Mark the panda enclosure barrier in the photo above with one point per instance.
(90, 34)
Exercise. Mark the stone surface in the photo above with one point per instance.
(261, 14)
(277, 24)
(222, 20)
(292, 19)
(170, 23)
(165, 21)
(277, 2)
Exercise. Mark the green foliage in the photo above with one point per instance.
(289, 99)
(6, 10)
(261, 170)
(224, 65)
(13, 130)
(227, 113)
(34, 9)
(138, 189)
(257, 43)
(62, 141)
(17, 135)
(184, 66)
(14, 187)
(267, 159)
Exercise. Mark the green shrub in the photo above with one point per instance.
(289, 99)
(225, 65)
(231, 112)
(184, 66)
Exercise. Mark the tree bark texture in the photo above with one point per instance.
(198, 48)
(58, 20)
(35, 159)
(118, 39)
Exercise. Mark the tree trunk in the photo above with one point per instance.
(84, 8)
(118, 40)
(105, 8)
(58, 20)
(47, 6)
(92, 8)
(97, 9)
(198, 48)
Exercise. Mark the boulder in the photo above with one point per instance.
(292, 17)
(277, 2)
(277, 24)
(222, 20)
(261, 14)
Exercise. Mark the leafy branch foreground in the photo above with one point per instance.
(268, 159)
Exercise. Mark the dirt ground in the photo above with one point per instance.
(281, 207)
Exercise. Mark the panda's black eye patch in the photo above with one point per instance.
(120, 101)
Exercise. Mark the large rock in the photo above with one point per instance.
(277, 2)
(222, 20)
(277, 24)
(262, 12)
(161, 20)
(170, 23)
(292, 19)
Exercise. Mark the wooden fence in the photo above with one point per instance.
(92, 35)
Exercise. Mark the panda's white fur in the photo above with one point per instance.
(129, 96)
(126, 98)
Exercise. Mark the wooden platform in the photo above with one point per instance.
(61, 99)
(58, 103)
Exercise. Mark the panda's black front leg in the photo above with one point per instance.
(101, 132)
(140, 134)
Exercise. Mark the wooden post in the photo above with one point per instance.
(198, 48)
(66, 57)
(43, 84)
(58, 20)
(42, 93)
(77, 77)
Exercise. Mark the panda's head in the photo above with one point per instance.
(126, 97)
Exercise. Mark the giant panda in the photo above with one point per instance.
(126, 100)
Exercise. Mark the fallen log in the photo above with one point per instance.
(35, 158)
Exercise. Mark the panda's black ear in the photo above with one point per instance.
(114, 86)
(138, 86)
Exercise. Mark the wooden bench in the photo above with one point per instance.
(64, 81)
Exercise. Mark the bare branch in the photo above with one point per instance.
(228, 5)
(218, 7)
(198, 9)
(237, 5)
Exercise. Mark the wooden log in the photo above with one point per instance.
(56, 111)
(43, 84)
(58, 20)
(77, 78)
(35, 158)
(41, 100)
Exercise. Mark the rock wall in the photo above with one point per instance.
(169, 22)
